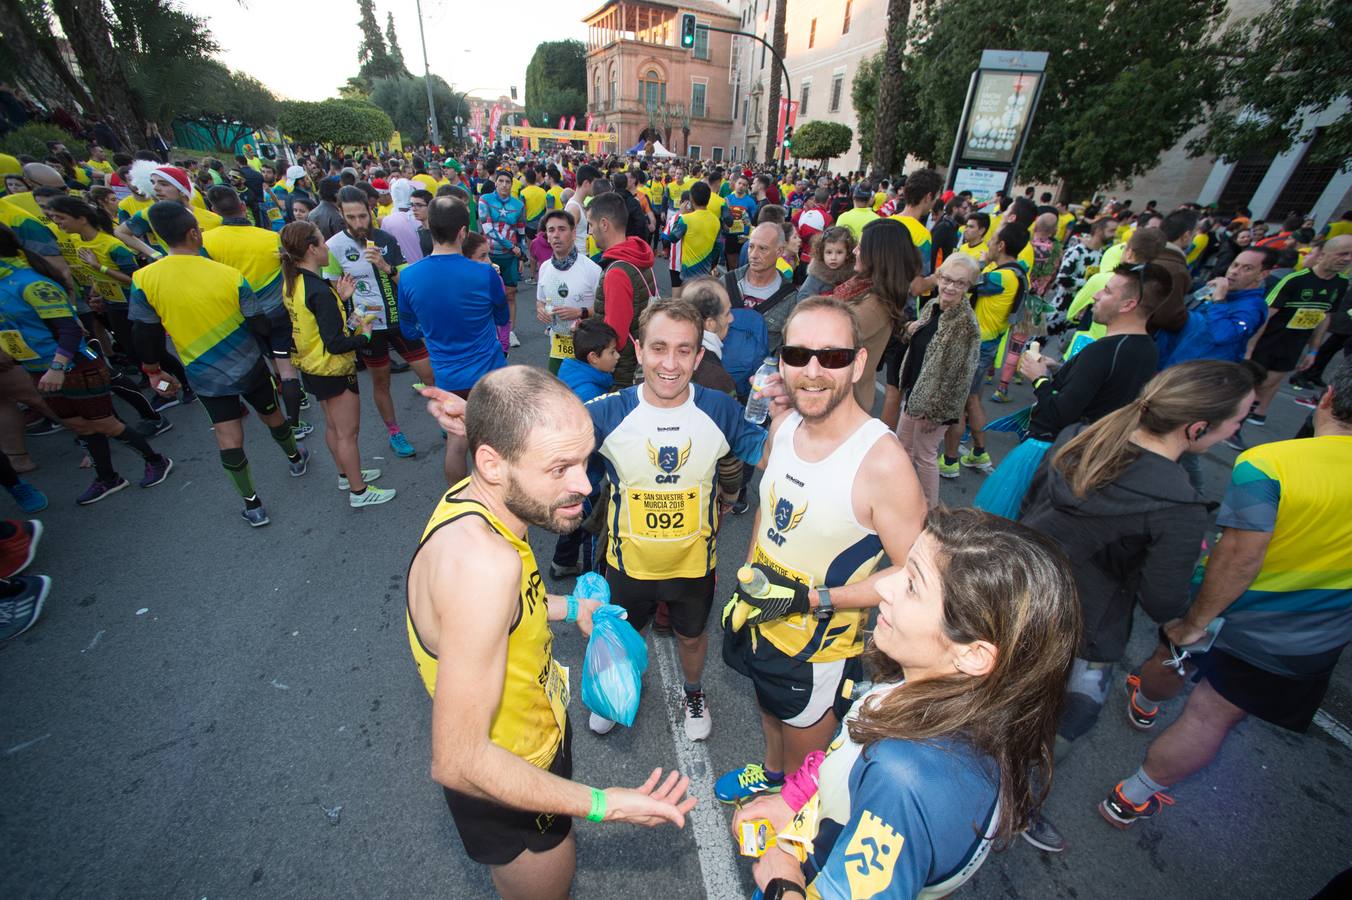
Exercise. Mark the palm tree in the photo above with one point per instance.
(778, 40)
(888, 118)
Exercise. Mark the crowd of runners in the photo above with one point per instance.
(819, 361)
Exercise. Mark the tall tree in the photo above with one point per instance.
(405, 101)
(886, 163)
(778, 41)
(396, 52)
(1101, 69)
(556, 81)
(86, 27)
(1278, 70)
(372, 54)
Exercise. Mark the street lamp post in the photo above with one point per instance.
(427, 80)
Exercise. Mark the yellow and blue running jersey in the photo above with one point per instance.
(662, 467)
(697, 232)
(202, 305)
(255, 252)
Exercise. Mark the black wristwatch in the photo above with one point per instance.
(778, 888)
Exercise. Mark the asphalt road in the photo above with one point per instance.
(212, 711)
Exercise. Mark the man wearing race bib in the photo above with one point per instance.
(373, 258)
(837, 491)
(659, 446)
(478, 626)
(566, 288)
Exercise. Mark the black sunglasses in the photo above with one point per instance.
(829, 357)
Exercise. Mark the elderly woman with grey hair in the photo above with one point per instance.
(940, 362)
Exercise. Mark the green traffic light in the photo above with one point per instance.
(687, 31)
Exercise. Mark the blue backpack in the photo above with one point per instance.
(745, 347)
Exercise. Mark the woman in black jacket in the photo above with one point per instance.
(1114, 497)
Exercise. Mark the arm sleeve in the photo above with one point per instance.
(483, 216)
(123, 258)
(501, 311)
(1063, 399)
(677, 229)
(619, 293)
(1231, 324)
(147, 332)
(248, 301)
(990, 283)
(885, 845)
(730, 474)
(330, 324)
(1167, 573)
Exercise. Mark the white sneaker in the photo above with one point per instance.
(697, 722)
(367, 475)
(372, 496)
(599, 725)
(513, 340)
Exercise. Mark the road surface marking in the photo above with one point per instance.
(1337, 730)
(712, 834)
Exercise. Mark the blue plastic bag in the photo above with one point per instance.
(617, 657)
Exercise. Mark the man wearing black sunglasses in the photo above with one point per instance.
(837, 491)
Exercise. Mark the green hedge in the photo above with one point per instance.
(31, 140)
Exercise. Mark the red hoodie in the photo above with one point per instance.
(619, 290)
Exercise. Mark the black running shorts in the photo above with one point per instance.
(495, 835)
(796, 692)
(1284, 701)
(688, 600)
(258, 393)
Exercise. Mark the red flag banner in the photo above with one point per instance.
(589, 122)
(572, 122)
(562, 121)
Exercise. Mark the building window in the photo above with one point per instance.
(697, 92)
(718, 154)
(763, 42)
(845, 29)
(745, 106)
(596, 87)
(652, 90)
(837, 84)
(812, 35)
(701, 42)
(610, 100)
(695, 151)
(736, 99)
(803, 93)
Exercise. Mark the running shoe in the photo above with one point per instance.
(43, 427)
(400, 445)
(301, 430)
(990, 376)
(697, 722)
(1236, 441)
(1307, 382)
(948, 470)
(372, 496)
(18, 551)
(160, 404)
(299, 466)
(558, 572)
(367, 476)
(1309, 401)
(599, 724)
(304, 400)
(257, 517)
(1255, 419)
(1000, 395)
(1043, 835)
(513, 340)
(29, 498)
(1122, 813)
(18, 613)
(745, 783)
(398, 366)
(1137, 717)
(100, 489)
(149, 428)
(157, 471)
(966, 437)
(979, 461)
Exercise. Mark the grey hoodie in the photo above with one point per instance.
(1137, 537)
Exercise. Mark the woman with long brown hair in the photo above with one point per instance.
(944, 755)
(886, 261)
(1114, 497)
(325, 353)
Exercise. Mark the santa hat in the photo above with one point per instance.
(144, 172)
(381, 185)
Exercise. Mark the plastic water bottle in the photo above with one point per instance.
(758, 405)
(555, 323)
(753, 581)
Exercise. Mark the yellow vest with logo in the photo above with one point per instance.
(531, 712)
(310, 356)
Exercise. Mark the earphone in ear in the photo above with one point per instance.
(1200, 432)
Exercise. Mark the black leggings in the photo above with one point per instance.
(1329, 349)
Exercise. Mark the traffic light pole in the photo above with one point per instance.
(784, 70)
(427, 81)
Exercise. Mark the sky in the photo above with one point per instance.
(262, 37)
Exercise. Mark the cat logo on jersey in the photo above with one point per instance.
(669, 459)
(871, 856)
(786, 519)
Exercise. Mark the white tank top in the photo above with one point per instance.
(808, 532)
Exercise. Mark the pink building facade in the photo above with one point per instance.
(641, 83)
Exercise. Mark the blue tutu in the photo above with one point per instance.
(1002, 493)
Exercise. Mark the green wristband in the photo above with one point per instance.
(598, 809)
(572, 609)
